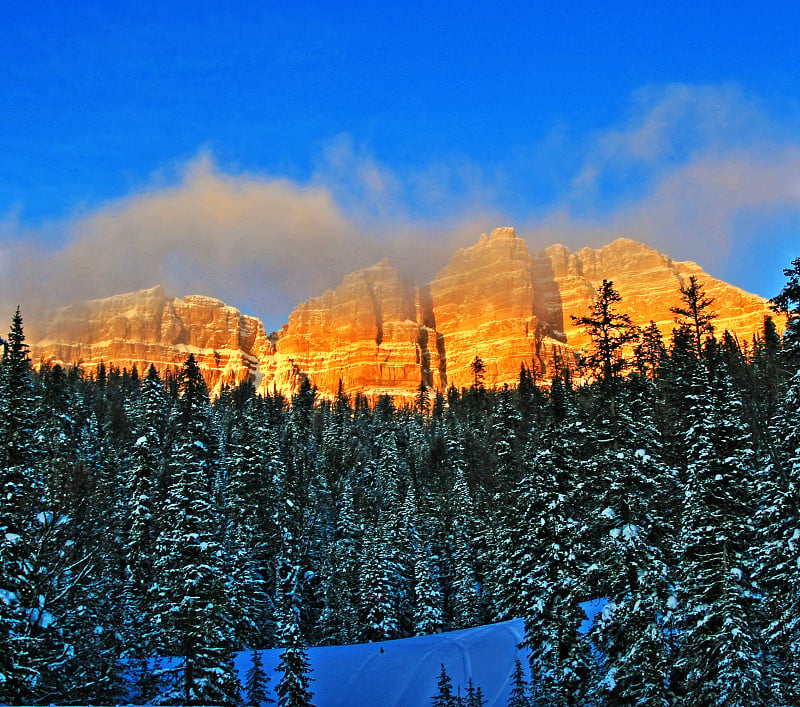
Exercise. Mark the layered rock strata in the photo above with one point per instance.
(482, 305)
(378, 334)
(140, 328)
(364, 333)
(648, 282)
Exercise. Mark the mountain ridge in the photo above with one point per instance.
(379, 334)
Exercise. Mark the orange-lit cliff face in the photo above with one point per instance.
(379, 334)
(140, 328)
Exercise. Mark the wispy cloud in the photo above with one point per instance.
(264, 244)
(697, 172)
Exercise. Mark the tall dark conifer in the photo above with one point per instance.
(695, 313)
(20, 500)
(192, 617)
(721, 657)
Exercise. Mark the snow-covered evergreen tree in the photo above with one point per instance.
(340, 580)
(146, 467)
(720, 656)
(20, 496)
(778, 570)
(192, 617)
(428, 600)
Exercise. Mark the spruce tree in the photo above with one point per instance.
(444, 697)
(720, 660)
(20, 494)
(340, 583)
(256, 683)
(695, 313)
(610, 332)
(250, 531)
(779, 514)
(519, 688)
(146, 467)
(428, 600)
(192, 614)
(291, 481)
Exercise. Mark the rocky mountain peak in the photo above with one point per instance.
(379, 334)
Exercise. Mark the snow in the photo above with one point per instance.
(40, 618)
(8, 598)
(630, 530)
(591, 608)
(403, 673)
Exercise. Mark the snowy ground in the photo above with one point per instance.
(403, 673)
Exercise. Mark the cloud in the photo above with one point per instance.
(261, 243)
(673, 123)
(700, 173)
(697, 172)
(247, 238)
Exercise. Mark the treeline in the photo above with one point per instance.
(141, 520)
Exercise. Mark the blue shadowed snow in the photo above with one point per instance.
(591, 608)
(405, 673)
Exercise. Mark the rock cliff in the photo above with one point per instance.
(379, 334)
(140, 328)
(482, 303)
(648, 282)
(364, 333)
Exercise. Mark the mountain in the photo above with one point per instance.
(140, 328)
(378, 333)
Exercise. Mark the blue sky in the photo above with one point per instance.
(259, 153)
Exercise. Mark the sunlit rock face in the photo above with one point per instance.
(483, 304)
(378, 334)
(145, 327)
(648, 282)
(364, 334)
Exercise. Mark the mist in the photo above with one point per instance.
(699, 173)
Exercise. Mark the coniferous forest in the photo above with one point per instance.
(142, 520)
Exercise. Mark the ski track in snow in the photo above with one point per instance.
(403, 672)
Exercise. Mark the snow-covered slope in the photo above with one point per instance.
(403, 673)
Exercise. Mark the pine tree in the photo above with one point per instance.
(474, 695)
(444, 697)
(693, 315)
(611, 332)
(428, 600)
(379, 587)
(519, 689)
(650, 352)
(147, 459)
(293, 686)
(779, 515)
(340, 624)
(19, 498)
(549, 550)
(478, 369)
(256, 683)
(251, 533)
(291, 485)
(720, 653)
(192, 616)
